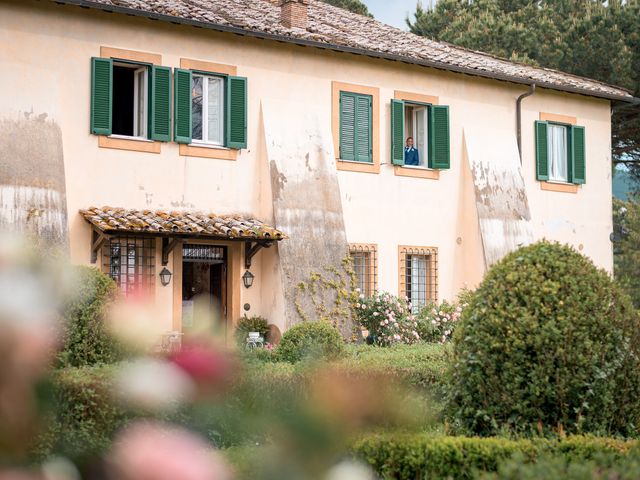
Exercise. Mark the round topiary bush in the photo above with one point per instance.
(310, 339)
(548, 343)
(85, 337)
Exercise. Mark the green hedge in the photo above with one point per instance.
(85, 414)
(85, 337)
(421, 365)
(424, 456)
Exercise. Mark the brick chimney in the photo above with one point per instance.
(294, 14)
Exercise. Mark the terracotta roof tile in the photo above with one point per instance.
(113, 220)
(332, 26)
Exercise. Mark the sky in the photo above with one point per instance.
(393, 12)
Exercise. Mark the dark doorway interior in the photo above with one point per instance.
(204, 283)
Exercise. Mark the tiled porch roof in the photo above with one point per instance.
(179, 223)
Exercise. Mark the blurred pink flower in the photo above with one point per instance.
(205, 364)
(148, 451)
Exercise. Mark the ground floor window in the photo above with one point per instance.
(418, 268)
(365, 266)
(130, 261)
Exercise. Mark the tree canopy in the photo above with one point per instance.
(591, 38)
(355, 6)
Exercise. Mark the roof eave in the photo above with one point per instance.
(342, 48)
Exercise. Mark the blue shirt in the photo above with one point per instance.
(411, 156)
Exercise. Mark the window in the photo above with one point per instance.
(418, 275)
(130, 261)
(130, 99)
(560, 152)
(557, 148)
(356, 127)
(210, 109)
(207, 110)
(365, 267)
(426, 127)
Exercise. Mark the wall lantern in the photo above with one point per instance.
(247, 279)
(165, 276)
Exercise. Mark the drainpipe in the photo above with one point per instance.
(532, 89)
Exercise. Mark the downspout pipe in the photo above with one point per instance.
(531, 91)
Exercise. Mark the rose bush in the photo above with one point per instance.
(388, 319)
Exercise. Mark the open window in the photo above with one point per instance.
(130, 99)
(419, 135)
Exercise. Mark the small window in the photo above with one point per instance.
(130, 100)
(207, 109)
(356, 127)
(210, 109)
(419, 135)
(365, 267)
(560, 152)
(130, 261)
(419, 275)
(558, 147)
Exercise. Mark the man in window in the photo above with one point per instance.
(411, 155)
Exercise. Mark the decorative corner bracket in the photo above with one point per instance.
(168, 244)
(97, 240)
(251, 248)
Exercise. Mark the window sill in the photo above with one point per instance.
(353, 166)
(202, 150)
(133, 144)
(416, 172)
(552, 186)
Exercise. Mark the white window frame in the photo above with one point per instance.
(205, 111)
(551, 154)
(140, 74)
(424, 109)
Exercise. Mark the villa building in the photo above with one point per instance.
(232, 142)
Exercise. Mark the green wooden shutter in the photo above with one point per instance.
(101, 95)
(236, 124)
(182, 125)
(347, 126)
(542, 151)
(578, 157)
(439, 138)
(161, 103)
(363, 129)
(397, 132)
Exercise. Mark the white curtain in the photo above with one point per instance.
(214, 110)
(557, 137)
(418, 282)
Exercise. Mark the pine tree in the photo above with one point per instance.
(355, 6)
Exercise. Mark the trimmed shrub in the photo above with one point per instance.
(388, 319)
(310, 339)
(85, 339)
(86, 416)
(421, 365)
(603, 467)
(548, 343)
(250, 324)
(406, 456)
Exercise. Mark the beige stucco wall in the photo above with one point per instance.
(45, 60)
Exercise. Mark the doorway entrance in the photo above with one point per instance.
(204, 288)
